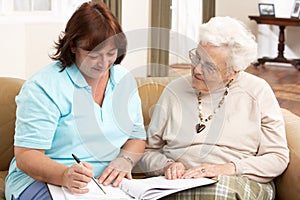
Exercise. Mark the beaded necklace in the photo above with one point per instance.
(201, 125)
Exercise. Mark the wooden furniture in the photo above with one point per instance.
(282, 23)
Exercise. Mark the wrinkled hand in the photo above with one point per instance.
(174, 170)
(76, 177)
(210, 170)
(116, 171)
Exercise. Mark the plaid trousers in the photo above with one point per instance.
(229, 188)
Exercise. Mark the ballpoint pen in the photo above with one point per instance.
(78, 161)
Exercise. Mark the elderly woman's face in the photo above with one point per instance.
(209, 69)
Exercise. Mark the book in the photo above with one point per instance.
(148, 188)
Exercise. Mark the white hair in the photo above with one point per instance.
(233, 34)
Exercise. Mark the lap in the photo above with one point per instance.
(229, 188)
(36, 191)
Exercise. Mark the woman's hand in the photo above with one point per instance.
(121, 167)
(174, 170)
(116, 171)
(210, 170)
(77, 177)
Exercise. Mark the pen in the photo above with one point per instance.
(78, 161)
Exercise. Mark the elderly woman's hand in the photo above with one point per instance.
(174, 170)
(210, 170)
(116, 171)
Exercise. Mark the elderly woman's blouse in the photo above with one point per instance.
(247, 130)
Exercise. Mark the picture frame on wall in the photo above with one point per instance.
(266, 9)
(296, 9)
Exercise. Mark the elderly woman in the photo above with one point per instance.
(220, 121)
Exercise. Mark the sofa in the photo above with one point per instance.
(150, 88)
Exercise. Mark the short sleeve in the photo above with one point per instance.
(36, 118)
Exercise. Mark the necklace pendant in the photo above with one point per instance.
(200, 127)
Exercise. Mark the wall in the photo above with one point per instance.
(267, 36)
(26, 42)
(12, 50)
(25, 45)
(238, 9)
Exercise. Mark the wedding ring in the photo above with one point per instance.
(203, 170)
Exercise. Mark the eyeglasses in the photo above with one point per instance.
(196, 60)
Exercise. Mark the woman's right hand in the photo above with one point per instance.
(77, 177)
(174, 170)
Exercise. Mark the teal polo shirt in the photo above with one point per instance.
(56, 112)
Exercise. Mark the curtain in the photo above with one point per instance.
(186, 18)
(158, 55)
(115, 6)
(209, 10)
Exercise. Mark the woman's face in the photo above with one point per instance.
(95, 64)
(209, 68)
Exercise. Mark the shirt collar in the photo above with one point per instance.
(76, 76)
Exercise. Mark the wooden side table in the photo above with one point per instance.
(282, 23)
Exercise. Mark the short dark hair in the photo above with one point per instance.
(92, 24)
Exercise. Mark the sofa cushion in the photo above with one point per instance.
(9, 88)
(287, 184)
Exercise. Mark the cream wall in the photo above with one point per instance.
(239, 9)
(267, 36)
(25, 42)
(38, 47)
(12, 50)
(25, 45)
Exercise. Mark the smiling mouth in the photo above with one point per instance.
(98, 69)
(198, 77)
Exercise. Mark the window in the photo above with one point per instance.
(27, 7)
(60, 8)
(32, 5)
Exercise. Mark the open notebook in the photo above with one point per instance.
(148, 188)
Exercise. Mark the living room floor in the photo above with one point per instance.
(284, 80)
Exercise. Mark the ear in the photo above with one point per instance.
(73, 47)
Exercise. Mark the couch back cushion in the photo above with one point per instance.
(150, 89)
(9, 88)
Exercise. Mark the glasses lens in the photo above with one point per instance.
(194, 57)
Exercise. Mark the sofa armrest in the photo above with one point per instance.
(9, 88)
(3, 174)
(287, 184)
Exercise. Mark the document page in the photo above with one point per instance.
(157, 187)
(112, 193)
